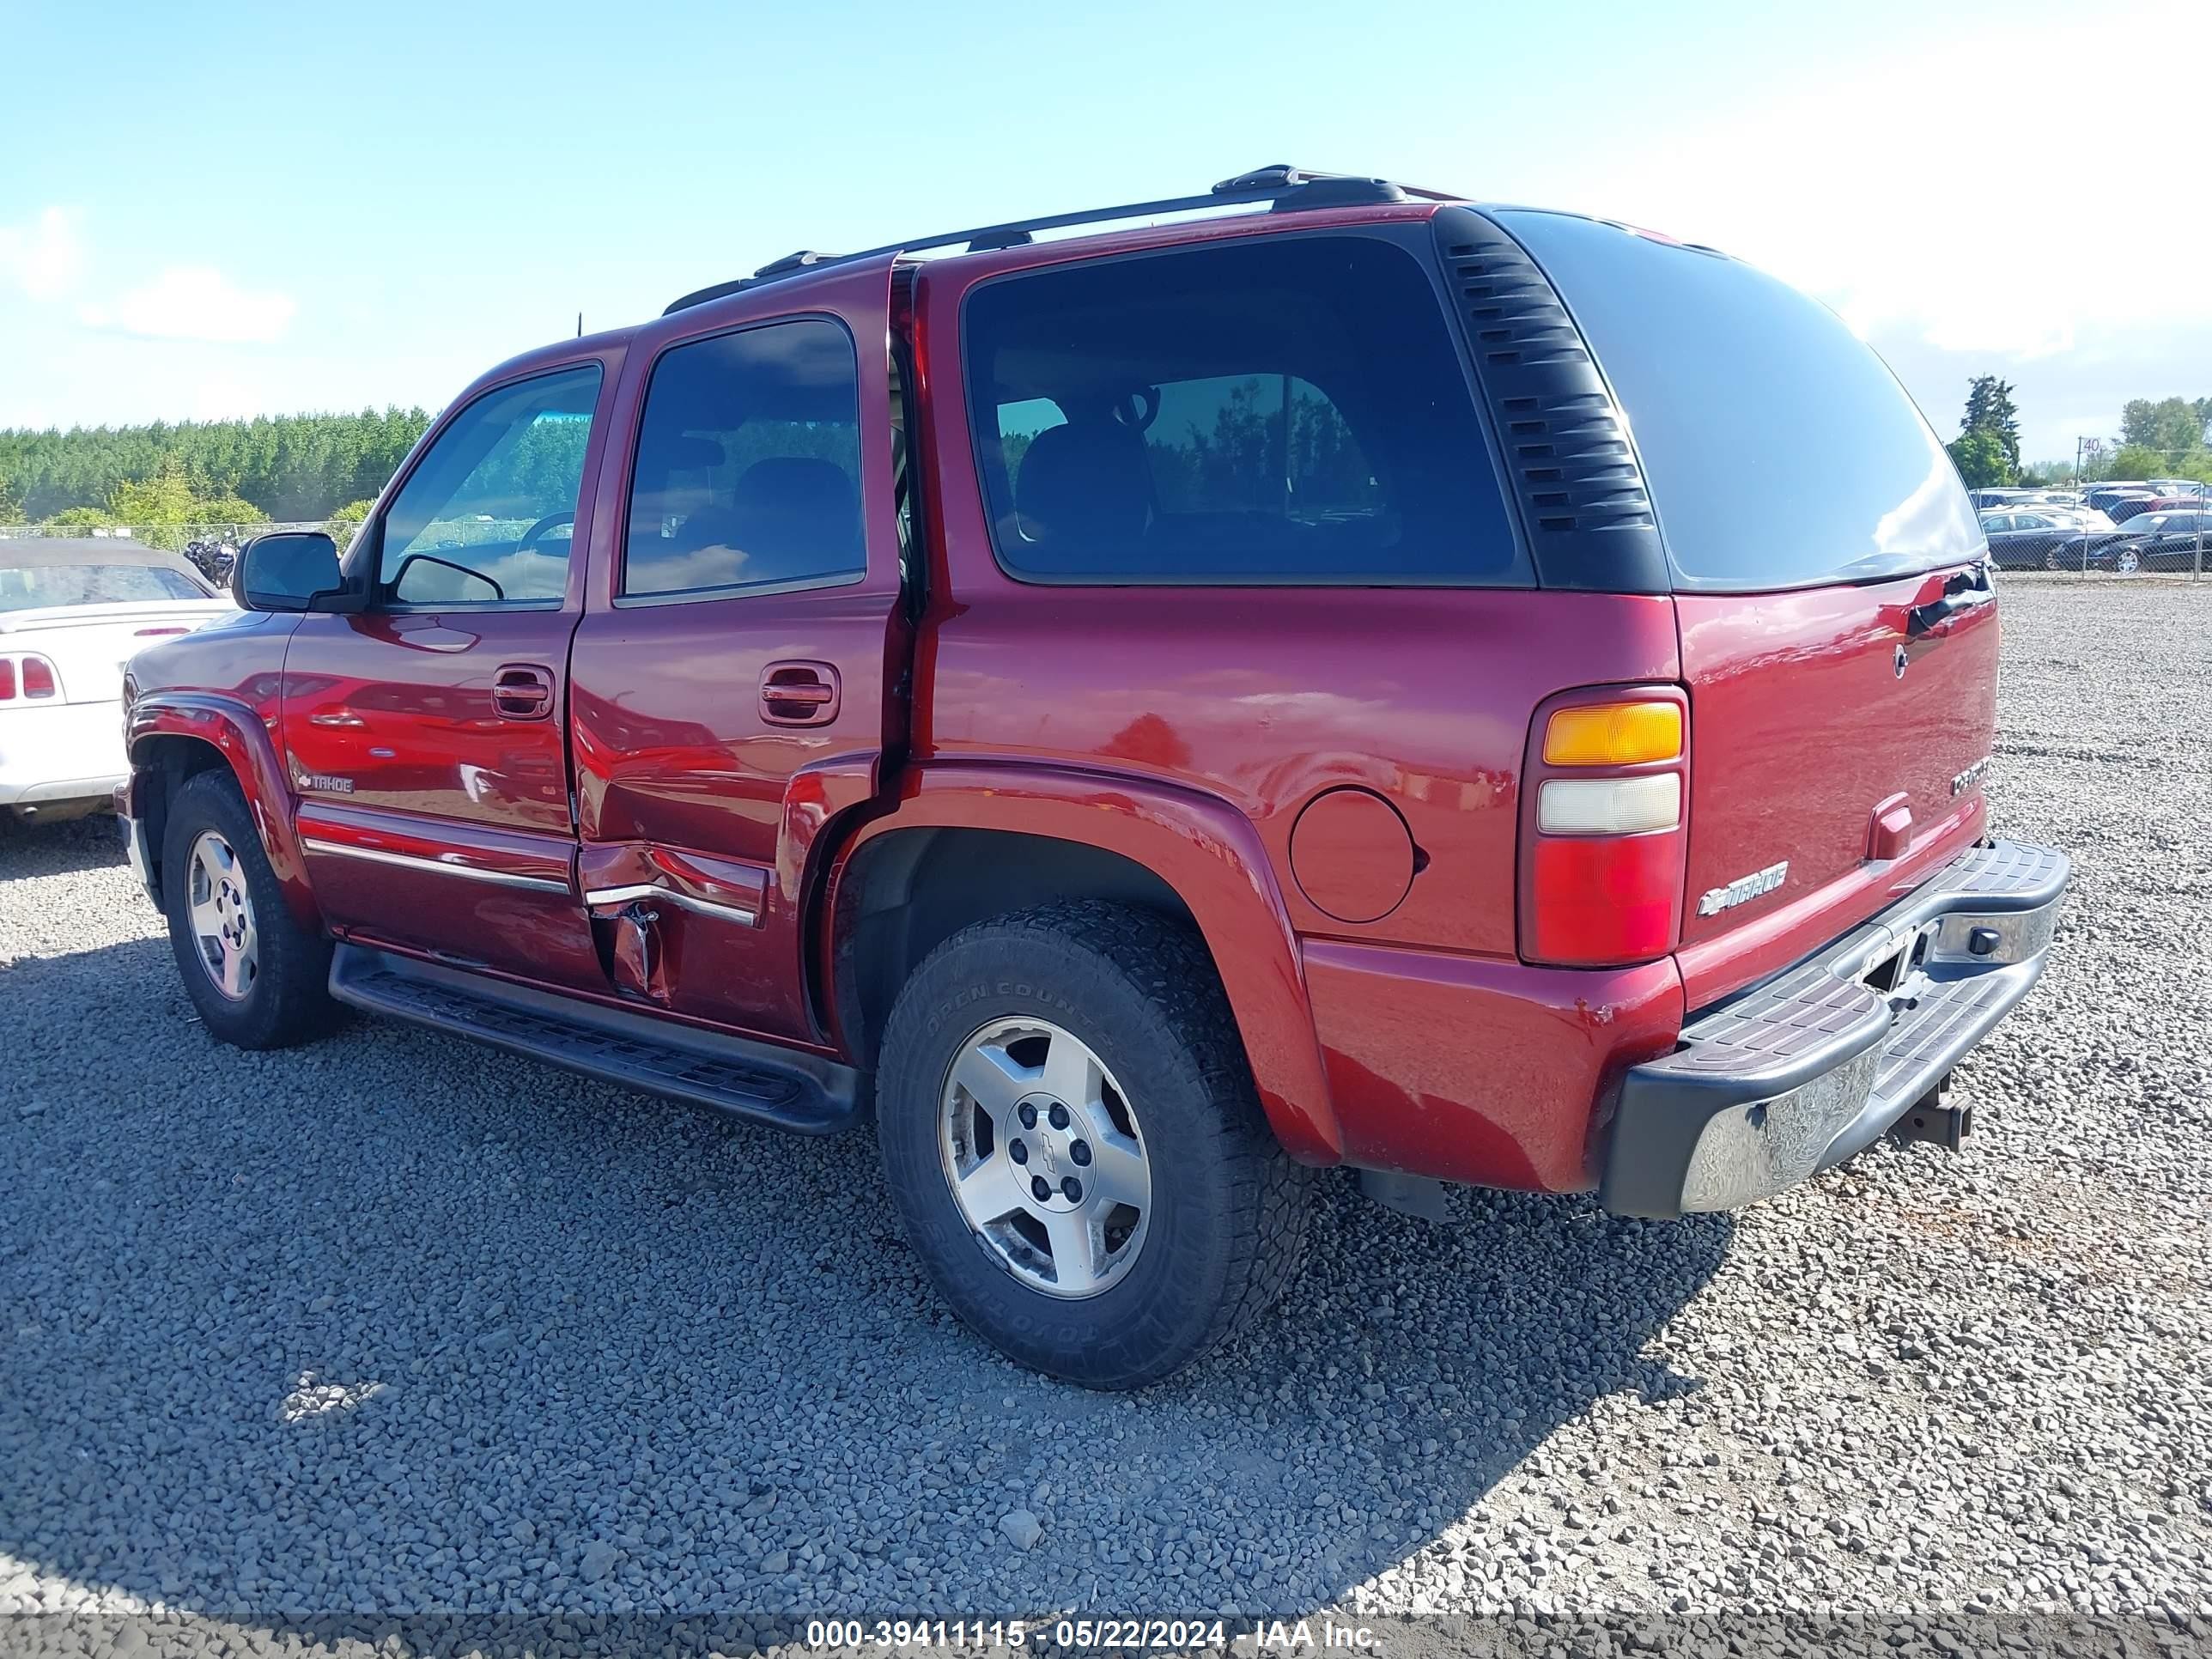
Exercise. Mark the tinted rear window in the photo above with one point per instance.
(1779, 450)
(1285, 409)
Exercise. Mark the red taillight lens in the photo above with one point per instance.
(1600, 900)
(38, 677)
(7, 679)
(1603, 830)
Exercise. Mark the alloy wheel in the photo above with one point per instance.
(222, 917)
(1042, 1152)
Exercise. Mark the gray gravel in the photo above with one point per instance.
(396, 1324)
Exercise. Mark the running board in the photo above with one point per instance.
(756, 1081)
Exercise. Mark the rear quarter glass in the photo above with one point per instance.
(1284, 410)
(1778, 449)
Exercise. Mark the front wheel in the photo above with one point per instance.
(2126, 562)
(258, 978)
(1071, 1135)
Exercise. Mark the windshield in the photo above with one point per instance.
(1740, 392)
(36, 587)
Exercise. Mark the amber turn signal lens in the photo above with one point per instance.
(1614, 734)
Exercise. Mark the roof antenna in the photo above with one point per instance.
(580, 324)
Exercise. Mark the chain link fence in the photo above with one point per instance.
(2089, 523)
(170, 536)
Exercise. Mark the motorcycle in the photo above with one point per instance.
(216, 557)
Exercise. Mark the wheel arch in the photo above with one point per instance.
(967, 843)
(175, 738)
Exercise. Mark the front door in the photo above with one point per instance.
(426, 734)
(729, 688)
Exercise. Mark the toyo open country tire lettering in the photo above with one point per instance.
(1108, 1026)
(258, 978)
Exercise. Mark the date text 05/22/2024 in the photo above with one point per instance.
(1091, 1635)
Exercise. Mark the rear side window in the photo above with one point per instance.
(749, 464)
(1285, 410)
(32, 587)
(1779, 450)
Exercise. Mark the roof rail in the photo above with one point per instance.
(1289, 190)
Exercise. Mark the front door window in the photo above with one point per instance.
(487, 517)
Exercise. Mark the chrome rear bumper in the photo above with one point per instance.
(1818, 1063)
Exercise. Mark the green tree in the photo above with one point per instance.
(344, 524)
(2172, 426)
(1990, 408)
(164, 510)
(1979, 455)
(2138, 461)
(11, 504)
(290, 466)
(81, 518)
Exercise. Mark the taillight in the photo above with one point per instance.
(1602, 828)
(26, 678)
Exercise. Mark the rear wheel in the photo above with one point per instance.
(1070, 1132)
(258, 978)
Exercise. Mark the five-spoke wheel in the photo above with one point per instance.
(222, 916)
(258, 976)
(1070, 1130)
(1045, 1158)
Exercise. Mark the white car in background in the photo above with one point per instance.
(71, 614)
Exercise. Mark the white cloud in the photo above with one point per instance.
(44, 257)
(196, 302)
(1912, 197)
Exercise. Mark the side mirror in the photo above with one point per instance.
(288, 570)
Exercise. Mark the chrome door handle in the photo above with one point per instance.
(522, 691)
(799, 693)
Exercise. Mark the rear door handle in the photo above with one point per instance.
(799, 693)
(522, 691)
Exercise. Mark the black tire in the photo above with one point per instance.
(288, 999)
(1227, 1220)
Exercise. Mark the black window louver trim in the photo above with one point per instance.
(1582, 499)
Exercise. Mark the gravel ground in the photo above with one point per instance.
(395, 1324)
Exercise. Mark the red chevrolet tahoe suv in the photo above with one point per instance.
(1469, 694)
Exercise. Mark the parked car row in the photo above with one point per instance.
(2117, 499)
(2109, 527)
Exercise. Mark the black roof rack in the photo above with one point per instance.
(1289, 189)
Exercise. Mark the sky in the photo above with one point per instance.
(220, 210)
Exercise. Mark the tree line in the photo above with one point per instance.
(294, 467)
(2159, 438)
(314, 467)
